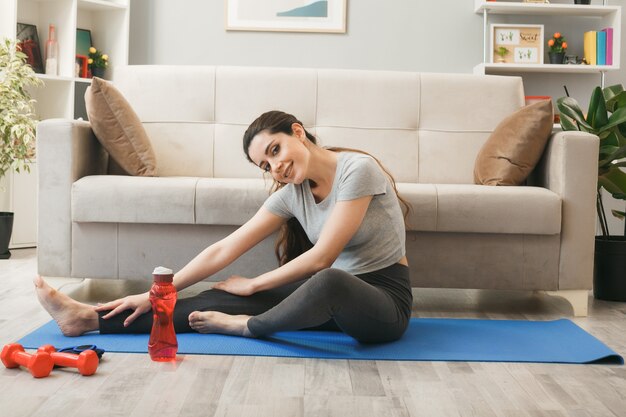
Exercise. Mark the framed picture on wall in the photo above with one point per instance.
(516, 44)
(28, 42)
(287, 15)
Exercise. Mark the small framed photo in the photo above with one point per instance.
(516, 44)
(81, 66)
(286, 15)
(28, 42)
(83, 41)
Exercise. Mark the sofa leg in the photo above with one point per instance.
(579, 300)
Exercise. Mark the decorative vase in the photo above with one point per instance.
(582, 1)
(556, 57)
(98, 72)
(609, 282)
(6, 228)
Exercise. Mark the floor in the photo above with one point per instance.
(202, 385)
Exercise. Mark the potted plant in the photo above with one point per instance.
(98, 62)
(556, 48)
(501, 52)
(606, 118)
(17, 124)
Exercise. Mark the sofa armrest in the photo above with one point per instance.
(66, 151)
(569, 167)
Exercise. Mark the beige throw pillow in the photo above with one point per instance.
(118, 128)
(515, 146)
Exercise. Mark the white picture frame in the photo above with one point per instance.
(327, 16)
(524, 43)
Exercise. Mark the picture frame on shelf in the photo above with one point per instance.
(523, 44)
(82, 66)
(83, 41)
(28, 42)
(286, 16)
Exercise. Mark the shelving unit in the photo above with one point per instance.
(606, 16)
(61, 96)
(108, 21)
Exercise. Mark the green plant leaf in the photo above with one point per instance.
(569, 107)
(615, 97)
(597, 114)
(613, 181)
(568, 123)
(607, 149)
(617, 118)
(622, 131)
(17, 124)
(619, 214)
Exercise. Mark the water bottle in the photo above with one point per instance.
(163, 344)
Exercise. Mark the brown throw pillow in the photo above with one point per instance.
(119, 129)
(514, 148)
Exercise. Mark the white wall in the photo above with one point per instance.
(404, 35)
(379, 36)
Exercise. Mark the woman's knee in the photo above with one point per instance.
(331, 282)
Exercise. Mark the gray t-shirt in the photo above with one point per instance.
(380, 240)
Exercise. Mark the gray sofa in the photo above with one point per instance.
(426, 128)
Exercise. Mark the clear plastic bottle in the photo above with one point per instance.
(52, 52)
(163, 344)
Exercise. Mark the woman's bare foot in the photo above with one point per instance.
(216, 322)
(73, 318)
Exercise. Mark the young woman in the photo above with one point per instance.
(341, 251)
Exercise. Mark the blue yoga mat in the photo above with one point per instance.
(558, 341)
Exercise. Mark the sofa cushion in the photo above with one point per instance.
(515, 146)
(480, 209)
(229, 201)
(118, 128)
(175, 200)
(124, 199)
(468, 208)
(463, 208)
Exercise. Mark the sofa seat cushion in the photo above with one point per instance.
(173, 200)
(229, 201)
(124, 199)
(467, 208)
(461, 208)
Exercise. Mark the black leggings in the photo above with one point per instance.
(373, 307)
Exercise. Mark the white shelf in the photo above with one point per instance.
(61, 94)
(108, 21)
(604, 16)
(45, 78)
(553, 68)
(495, 7)
(100, 5)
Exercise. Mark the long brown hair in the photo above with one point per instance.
(292, 240)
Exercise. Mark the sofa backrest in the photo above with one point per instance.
(424, 127)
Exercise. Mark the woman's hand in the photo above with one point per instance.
(140, 303)
(237, 285)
